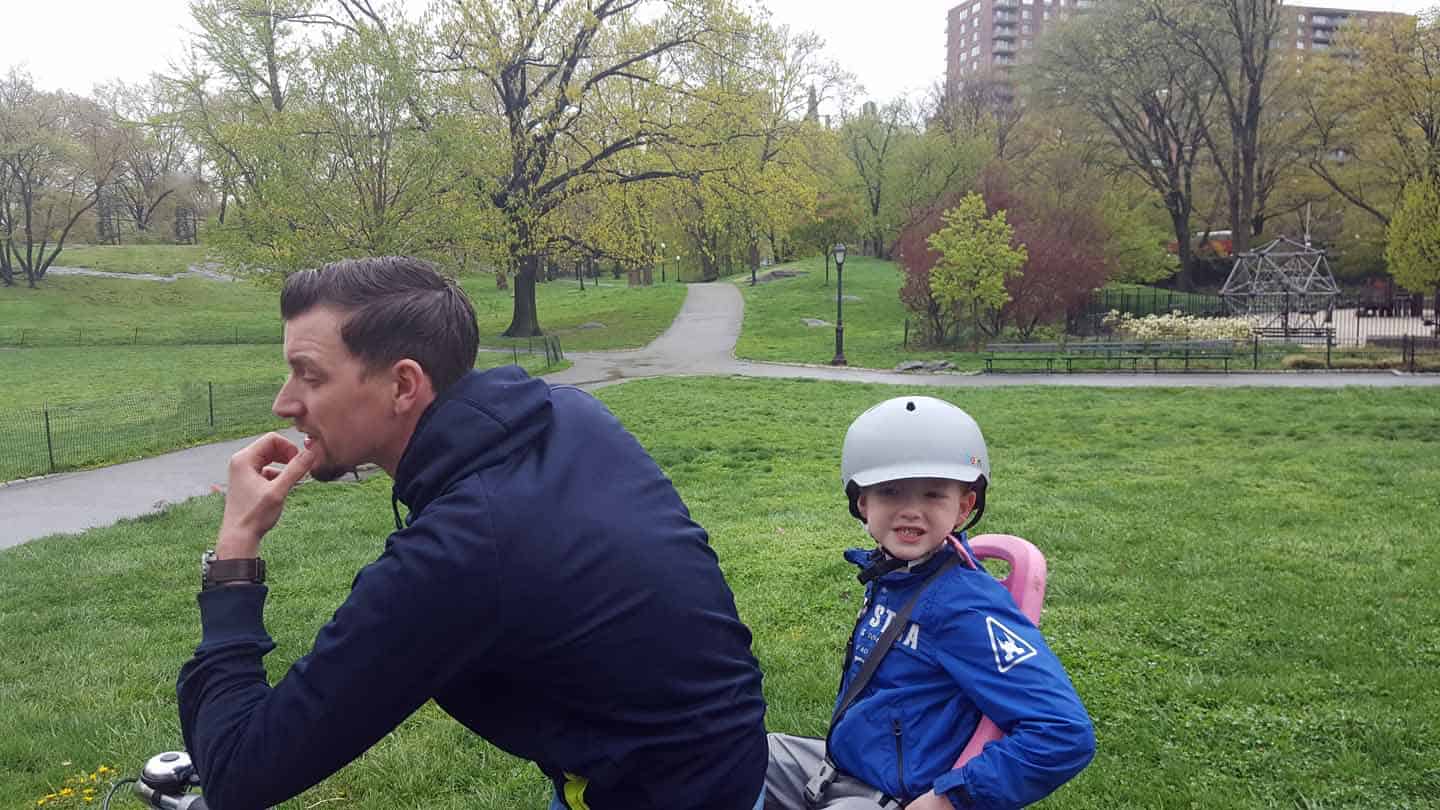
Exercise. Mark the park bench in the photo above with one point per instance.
(1001, 353)
(1298, 334)
(1111, 354)
(1114, 354)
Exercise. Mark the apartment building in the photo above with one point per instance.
(986, 37)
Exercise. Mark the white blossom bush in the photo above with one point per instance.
(1176, 326)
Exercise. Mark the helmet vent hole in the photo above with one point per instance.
(909, 406)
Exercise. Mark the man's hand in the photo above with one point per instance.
(257, 493)
(930, 801)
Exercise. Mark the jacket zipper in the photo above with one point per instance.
(900, 760)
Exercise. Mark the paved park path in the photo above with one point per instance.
(701, 341)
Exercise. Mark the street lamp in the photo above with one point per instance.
(839, 306)
(662, 262)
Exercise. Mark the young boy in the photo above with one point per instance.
(916, 472)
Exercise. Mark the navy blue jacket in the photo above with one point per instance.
(549, 590)
(966, 650)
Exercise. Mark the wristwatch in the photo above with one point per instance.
(214, 573)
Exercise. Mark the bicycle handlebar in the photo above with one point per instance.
(166, 780)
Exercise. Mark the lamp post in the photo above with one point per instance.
(662, 262)
(839, 306)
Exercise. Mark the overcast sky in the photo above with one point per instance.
(894, 47)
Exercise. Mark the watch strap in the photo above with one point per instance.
(240, 569)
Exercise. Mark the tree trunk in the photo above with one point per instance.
(524, 320)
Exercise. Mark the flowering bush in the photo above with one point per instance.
(79, 790)
(1176, 326)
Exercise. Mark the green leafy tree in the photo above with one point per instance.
(57, 154)
(1135, 250)
(1117, 67)
(975, 259)
(561, 96)
(1413, 246)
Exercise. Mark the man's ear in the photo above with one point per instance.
(412, 387)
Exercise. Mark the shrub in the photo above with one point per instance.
(1177, 326)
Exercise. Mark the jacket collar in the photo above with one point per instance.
(876, 562)
(481, 421)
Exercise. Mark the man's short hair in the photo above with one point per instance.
(395, 307)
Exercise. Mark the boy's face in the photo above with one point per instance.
(911, 517)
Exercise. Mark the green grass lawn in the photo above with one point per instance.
(1241, 585)
(630, 316)
(160, 260)
(118, 403)
(77, 310)
(874, 325)
(81, 311)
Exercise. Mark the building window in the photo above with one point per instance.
(1300, 44)
(1025, 14)
(1047, 13)
(1302, 17)
(1025, 43)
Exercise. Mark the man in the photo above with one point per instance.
(548, 588)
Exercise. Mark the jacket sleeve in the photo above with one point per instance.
(413, 619)
(1003, 665)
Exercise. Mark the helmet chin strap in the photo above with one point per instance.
(886, 564)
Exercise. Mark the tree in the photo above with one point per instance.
(57, 153)
(1375, 113)
(871, 142)
(1064, 236)
(325, 141)
(1232, 42)
(754, 177)
(156, 155)
(976, 259)
(561, 92)
(1135, 245)
(1117, 66)
(1413, 238)
(917, 259)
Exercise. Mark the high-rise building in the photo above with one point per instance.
(986, 37)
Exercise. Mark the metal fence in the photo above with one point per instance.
(1142, 301)
(34, 337)
(63, 436)
(69, 435)
(250, 334)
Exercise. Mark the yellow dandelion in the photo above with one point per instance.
(103, 769)
(66, 791)
(40, 803)
(89, 790)
(89, 799)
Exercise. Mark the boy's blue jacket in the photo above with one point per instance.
(549, 590)
(967, 650)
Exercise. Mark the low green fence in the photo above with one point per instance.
(35, 337)
(66, 436)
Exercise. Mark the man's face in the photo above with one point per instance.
(911, 517)
(346, 413)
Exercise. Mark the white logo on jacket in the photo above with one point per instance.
(880, 619)
(1009, 648)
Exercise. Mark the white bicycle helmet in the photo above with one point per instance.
(914, 437)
